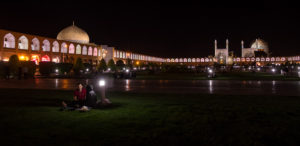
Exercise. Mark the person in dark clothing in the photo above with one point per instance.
(87, 87)
(78, 99)
(91, 97)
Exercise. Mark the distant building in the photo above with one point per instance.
(73, 42)
(258, 46)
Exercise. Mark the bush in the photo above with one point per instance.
(46, 68)
(111, 64)
(30, 67)
(102, 66)
(120, 65)
(87, 66)
(64, 67)
(13, 64)
(129, 63)
(78, 66)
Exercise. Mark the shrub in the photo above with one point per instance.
(120, 64)
(87, 66)
(129, 63)
(111, 64)
(64, 67)
(13, 64)
(78, 66)
(46, 68)
(30, 66)
(102, 66)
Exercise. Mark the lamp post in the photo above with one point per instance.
(104, 100)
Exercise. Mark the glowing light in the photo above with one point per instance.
(137, 63)
(5, 59)
(273, 69)
(210, 71)
(127, 70)
(56, 60)
(108, 69)
(258, 69)
(87, 69)
(35, 58)
(22, 58)
(46, 58)
(102, 83)
(56, 70)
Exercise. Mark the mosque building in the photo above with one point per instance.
(70, 44)
(73, 42)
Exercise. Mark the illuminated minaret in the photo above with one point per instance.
(242, 44)
(227, 44)
(216, 46)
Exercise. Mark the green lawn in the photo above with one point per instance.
(220, 76)
(32, 117)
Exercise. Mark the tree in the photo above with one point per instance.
(111, 64)
(129, 63)
(78, 66)
(120, 64)
(13, 64)
(46, 68)
(102, 66)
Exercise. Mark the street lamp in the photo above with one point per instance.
(104, 100)
(273, 70)
(102, 83)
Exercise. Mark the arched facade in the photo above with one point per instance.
(90, 51)
(46, 45)
(55, 46)
(35, 44)
(84, 50)
(64, 48)
(23, 43)
(95, 53)
(78, 49)
(71, 49)
(9, 41)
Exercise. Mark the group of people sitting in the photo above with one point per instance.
(84, 99)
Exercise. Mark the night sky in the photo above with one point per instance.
(162, 29)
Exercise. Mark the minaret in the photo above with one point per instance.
(216, 46)
(227, 44)
(242, 44)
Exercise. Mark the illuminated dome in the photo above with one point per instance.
(74, 34)
(260, 45)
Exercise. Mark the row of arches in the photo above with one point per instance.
(134, 56)
(23, 44)
(238, 59)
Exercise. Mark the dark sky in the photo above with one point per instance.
(162, 29)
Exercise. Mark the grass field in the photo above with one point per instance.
(32, 117)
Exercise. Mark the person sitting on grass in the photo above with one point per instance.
(78, 99)
(91, 97)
